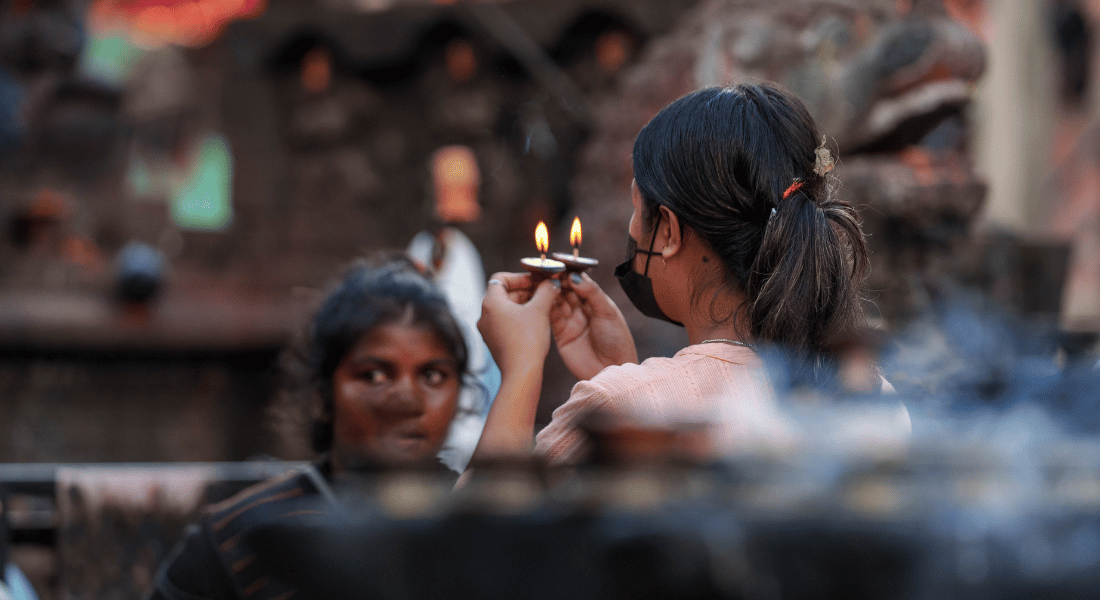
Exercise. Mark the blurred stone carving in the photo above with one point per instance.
(888, 89)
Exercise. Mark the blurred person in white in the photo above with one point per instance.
(454, 264)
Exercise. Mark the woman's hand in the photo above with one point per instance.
(515, 321)
(590, 331)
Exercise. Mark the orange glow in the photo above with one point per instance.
(154, 26)
(456, 164)
(542, 238)
(225, 9)
(50, 205)
(457, 182)
(82, 251)
(252, 9)
(193, 27)
(461, 61)
(155, 23)
(575, 233)
(316, 70)
(613, 49)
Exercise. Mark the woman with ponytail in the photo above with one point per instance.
(737, 235)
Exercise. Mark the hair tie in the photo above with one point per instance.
(794, 188)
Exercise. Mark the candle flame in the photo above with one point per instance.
(575, 233)
(542, 237)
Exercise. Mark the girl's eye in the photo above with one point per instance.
(374, 376)
(434, 376)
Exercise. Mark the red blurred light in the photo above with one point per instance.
(189, 22)
(154, 26)
(193, 27)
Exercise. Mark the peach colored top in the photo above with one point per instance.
(723, 385)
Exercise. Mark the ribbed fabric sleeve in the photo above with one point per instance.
(721, 385)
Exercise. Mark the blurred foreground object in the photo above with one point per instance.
(996, 505)
(105, 528)
(949, 521)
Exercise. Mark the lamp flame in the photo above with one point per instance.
(542, 238)
(575, 233)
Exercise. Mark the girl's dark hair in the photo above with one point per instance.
(384, 290)
(721, 159)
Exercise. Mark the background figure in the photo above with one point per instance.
(379, 379)
(15, 585)
(455, 265)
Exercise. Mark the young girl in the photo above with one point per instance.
(382, 371)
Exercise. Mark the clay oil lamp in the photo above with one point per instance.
(575, 263)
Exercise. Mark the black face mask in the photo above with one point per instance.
(638, 286)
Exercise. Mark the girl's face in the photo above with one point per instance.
(394, 395)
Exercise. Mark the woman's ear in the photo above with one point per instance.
(669, 234)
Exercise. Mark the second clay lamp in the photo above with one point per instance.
(575, 263)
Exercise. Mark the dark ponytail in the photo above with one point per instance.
(721, 160)
(804, 286)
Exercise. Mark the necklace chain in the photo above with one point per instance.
(734, 342)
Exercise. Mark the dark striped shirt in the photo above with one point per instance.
(212, 563)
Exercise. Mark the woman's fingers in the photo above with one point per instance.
(589, 296)
(517, 332)
(565, 305)
(568, 296)
(545, 294)
(510, 292)
(511, 281)
(522, 289)
(517, 286)
(583, 285)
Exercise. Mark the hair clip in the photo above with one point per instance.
(792, 189)
(824, 162)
